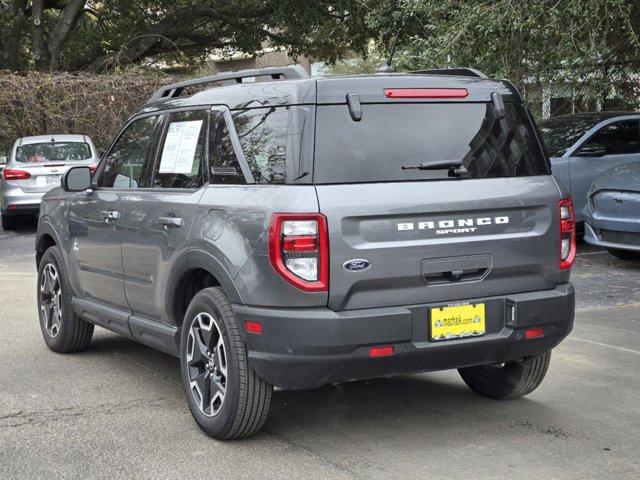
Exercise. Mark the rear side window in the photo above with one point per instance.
(225, 168)
(263, 138)
(389, 137)
(128, 160)
(182, 153)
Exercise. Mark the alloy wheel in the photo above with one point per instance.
(206, 364)
(51, 300)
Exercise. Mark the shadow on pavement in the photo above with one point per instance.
(406, 404)
(24, 225)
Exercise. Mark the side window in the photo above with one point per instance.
(263, 137)
(225, 167)
(618, 138)
(182, 153)
(127, 162)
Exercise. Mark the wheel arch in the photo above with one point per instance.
(45, 238)
(193, 272)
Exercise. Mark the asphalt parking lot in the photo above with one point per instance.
(118, 410)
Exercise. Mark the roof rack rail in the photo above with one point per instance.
(292, 72)
(461, 71)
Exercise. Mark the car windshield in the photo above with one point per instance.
(53, 152)
(559, 134)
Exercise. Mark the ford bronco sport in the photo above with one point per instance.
(280, 230)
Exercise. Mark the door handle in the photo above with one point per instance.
(170, 222)
(109, 215)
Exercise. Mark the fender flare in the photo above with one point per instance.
(45, 228)
(196, 258)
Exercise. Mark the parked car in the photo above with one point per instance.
(584, 145)
(612, 217)
(35, 166)
(294, 232)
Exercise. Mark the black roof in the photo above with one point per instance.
(331, 90)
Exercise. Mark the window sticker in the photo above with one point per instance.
(180, 147)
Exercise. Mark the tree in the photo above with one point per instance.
(50, 35)
(591, 46)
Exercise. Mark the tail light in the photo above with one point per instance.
(92, 169)
(299, 249)
(14, 174)
(567, 233)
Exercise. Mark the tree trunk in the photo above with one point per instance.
(38, 45)
(62, 29)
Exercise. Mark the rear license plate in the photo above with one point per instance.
(457, 321)
(52, 180)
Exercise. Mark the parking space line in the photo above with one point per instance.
(590, 253)
(600, 308)
(622, 349)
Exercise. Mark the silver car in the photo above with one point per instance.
(35, 166)
(612, 217)
(584, 145)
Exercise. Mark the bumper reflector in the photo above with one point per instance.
(532, 333)
(381, 351)
(253, 327)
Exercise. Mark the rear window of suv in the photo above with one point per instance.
(389, 137)
(53, 152)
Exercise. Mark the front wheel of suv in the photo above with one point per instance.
(63, 331)
(226, 397)
(508, 380)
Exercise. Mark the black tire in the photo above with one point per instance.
(508, 381)
(8, 223)
(73, 334)
(625, 254)
(246, 397)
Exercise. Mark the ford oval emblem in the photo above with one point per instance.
(356, 265)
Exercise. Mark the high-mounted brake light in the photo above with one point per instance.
(299, 249)
(567, 233)
(14, 174)
(426, 92)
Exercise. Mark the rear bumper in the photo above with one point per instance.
(307, 348)
(17, 202)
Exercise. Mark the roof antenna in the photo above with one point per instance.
(387, 66)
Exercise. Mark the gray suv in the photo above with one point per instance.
(280, 230)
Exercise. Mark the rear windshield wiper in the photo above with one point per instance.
(455, 167)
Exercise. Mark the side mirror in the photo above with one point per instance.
(592, 150)
(3, 160)
(77, 179)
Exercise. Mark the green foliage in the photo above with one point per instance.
(592, 46)
(102, 35)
